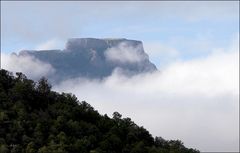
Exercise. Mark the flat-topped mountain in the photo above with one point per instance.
(95, 58)
(76, 44)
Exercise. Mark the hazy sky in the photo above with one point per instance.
(195, 45)
(180, 30)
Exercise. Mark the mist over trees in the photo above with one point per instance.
(35, 119)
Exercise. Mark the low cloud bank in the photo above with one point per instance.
(196, 101)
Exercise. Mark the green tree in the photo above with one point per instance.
(31, 148)
(139, 148)
(4, 148)
(43, 86)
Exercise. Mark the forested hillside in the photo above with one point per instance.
(34, 119)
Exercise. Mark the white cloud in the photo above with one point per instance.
(31, 67)
(125, 53)
(196, 101)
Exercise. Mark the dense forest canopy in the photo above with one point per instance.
(34, 119)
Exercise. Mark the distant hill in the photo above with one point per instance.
(95, 58)
(34, 119)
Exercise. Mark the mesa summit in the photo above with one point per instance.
(94, 58)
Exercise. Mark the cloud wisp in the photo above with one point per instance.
(125, 53)
(30, 66)
(50, 44)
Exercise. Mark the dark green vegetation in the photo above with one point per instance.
(34, 119)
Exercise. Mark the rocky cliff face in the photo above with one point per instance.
(95, 58)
